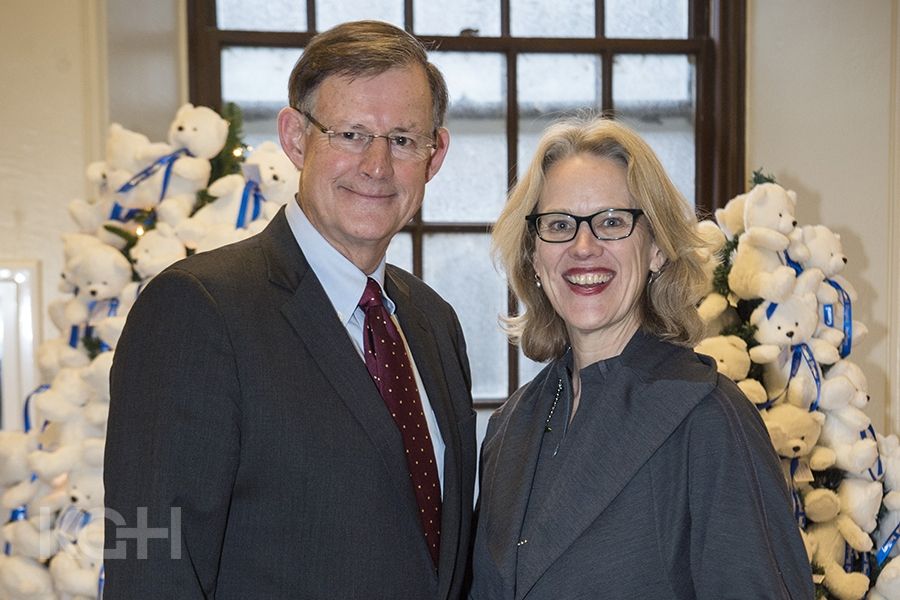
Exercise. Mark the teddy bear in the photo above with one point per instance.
(845, 385)
(269, 179)
(23, 578)
(836, 295)
(759, 268)
(861, 501)
(830, 540)
(887, 586)
(794, 433)
(730, 217)
(100, 273)
(714, 309)
(277, 176)
(154, 251)
(96, 375)
(196, 135)
(889, 450)
(76, 567)
(733, 361)
(69, 437)
(30, 529)
(790, 354)
(856, 452)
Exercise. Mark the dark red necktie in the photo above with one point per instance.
(392, 373)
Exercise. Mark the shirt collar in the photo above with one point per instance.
(342, 281)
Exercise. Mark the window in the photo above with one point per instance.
(672, 69)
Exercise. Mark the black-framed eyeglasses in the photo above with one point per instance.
(404, 146)
(606, 224)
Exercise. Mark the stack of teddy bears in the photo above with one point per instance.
(142, 216)
(780, 324)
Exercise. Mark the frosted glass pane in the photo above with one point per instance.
(476, 81)
(551, 86)
(400, 252)
(557, 82)
(471, 185)
(474, 17)
(261, 15)
(656, 95)
(647, 19)
(459, 267)
(562, 18)
(256, 80)
(652, 78)
(332, 12)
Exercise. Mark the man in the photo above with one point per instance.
(247, 439)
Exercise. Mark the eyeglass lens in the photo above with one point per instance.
(609, 224)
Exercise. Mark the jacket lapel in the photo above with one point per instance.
(612, 436)
(515, 446)
(312, 317)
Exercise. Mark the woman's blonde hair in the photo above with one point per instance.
(668, 305)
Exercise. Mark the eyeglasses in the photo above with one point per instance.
(607, 224)
(404, 146)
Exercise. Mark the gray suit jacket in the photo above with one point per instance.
(244, 420)
(665, 486)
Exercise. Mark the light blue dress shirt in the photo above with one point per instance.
(344, 284)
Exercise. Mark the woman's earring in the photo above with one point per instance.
(654, 275)
(537, 280)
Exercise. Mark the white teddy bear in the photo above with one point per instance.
(889, 450)
(845, 432)
(714, 309)
(887, 587)
(787, 348)
(100, 273)
(733, 361)
(758, 268)
(154, 251)
(730, 218)
(24, 578)
(196, 135)
(70, 437)
(76, 567)
(242, 204)
(861, 500)
(836, 295)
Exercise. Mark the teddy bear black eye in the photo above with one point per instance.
(802, 438)
(796, 323)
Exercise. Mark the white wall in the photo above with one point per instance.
(822, 112)
(822, 100)
(53, 105)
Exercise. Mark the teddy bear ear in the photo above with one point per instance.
(818, 417)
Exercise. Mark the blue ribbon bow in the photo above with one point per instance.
(167, 162)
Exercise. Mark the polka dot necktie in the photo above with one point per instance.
(392, 373)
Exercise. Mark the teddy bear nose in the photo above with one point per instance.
(796, 449)
(789, 334)
(93, 292)
(74, 499)
(845, 260)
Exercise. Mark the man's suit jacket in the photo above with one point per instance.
(665, 486)
(246, 422)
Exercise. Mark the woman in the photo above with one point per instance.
(628, 468)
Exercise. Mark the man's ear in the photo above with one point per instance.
(292, 133)
(442, 141)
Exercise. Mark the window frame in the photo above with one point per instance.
(716, 39)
